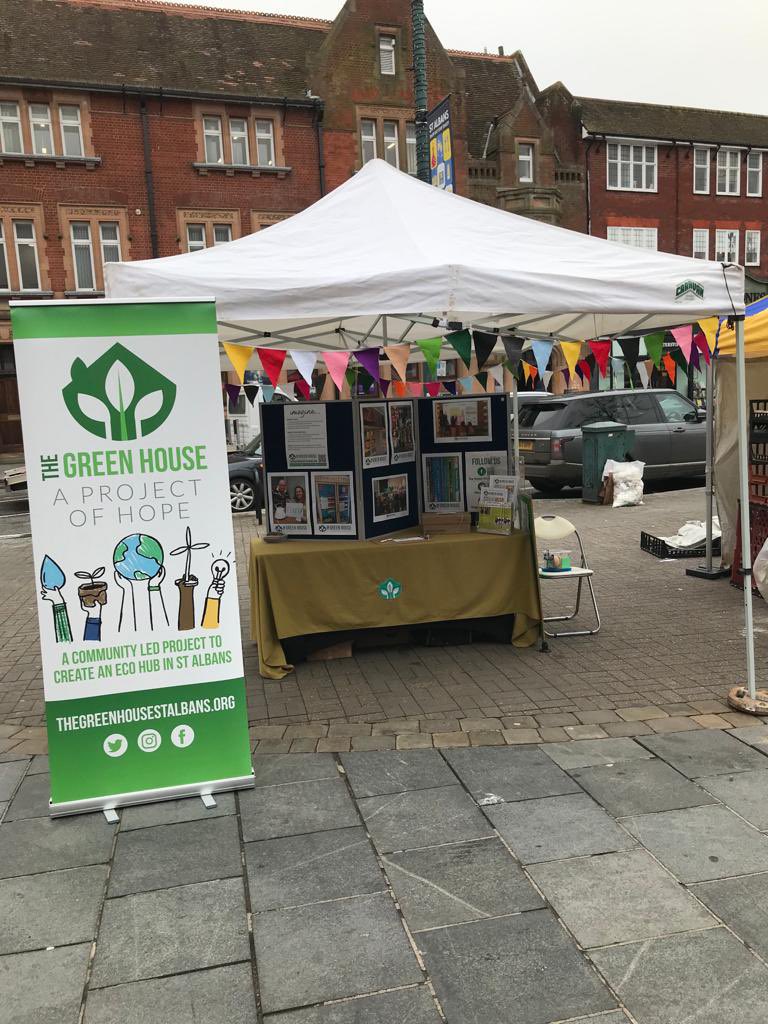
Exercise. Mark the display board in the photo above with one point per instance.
(133, 550)
(389, 468)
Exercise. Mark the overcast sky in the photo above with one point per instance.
(700, 53)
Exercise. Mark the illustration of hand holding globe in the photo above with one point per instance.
(139, 572)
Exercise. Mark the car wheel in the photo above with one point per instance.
(242, 494)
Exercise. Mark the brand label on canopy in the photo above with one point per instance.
(133, 549)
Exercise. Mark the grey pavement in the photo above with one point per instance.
(605, 881)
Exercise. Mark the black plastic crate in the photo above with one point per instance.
(659, 548)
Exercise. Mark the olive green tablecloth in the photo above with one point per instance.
(303, 587)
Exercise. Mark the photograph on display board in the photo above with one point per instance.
(479, 467)
(289, 502)
(334, 500)
(373, 431)
(465, 419)
(401, 432)
(443, 483)
(390, 497)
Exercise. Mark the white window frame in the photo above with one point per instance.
(65, 122)
(628, 234)
(47, 121)
(4, 261)
(265, 135)
(368, 138)
(707, 167)
(196, 246)
(703, 235)
(11, 119)
(525, 155)
(620, 159)
(213, 133)
(393, 126)
(754, 262)
(223, 241)
(240, 133)
(758, 157)
(387, 59)
(411, 148)
(26, 241)
(81, 243)
(727, 158)
(104, 242)
(719, 248)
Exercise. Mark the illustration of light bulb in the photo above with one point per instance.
(52, 579)
(219, 572)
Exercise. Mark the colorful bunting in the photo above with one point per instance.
(461, 342)
(337, 365)
(302, 387)
(369, 360)
(484, 345)
(649, 365)
(670, 366)
(514, 349)
(631, 349)
(533, 373)
(710, 328)
(482, 379)
(398, 355)
(267, 391)
(654, 344)
(450, 386)
(430, 349)
(684, 338)
(497, 373)
(695, 357)
(239, 356)
(384, 384)
(601, 350)
(233, 391)
(542, 350)
(642, 370)
(546, 378)
(304, 363)
(399, 388)
(466, 384)
(701, 342)
(571, 350)
(251, 390)
(350, 378)
(433, 388)
(415, 389)
(272, 360)
(585, 369)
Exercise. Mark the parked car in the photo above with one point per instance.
(669, 433)
(246, 477)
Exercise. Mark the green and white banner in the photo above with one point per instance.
(133, 549)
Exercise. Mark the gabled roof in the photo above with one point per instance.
(492, 85)
(680, 124)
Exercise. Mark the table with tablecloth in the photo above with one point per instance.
(301, 587)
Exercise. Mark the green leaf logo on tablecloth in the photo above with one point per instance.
(390, 589)
(119, 395)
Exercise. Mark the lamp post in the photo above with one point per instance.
(420, 89)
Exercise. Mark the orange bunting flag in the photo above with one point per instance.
(671, 366)
(399, 389)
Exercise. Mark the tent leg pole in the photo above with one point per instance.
(746, 540)
(516, 428)
(707, 571)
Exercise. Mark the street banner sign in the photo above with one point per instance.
(441, 145)
(133, 550)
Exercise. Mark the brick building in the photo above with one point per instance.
(136, 128)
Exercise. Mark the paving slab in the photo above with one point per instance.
(706, 752)
(511, 773)
(557, 827)
(583, 753)
(617, 898)
(406, 1006)
(459, 882)
(11, 774)
(742, 904)
(169, 812)
(44, 844)
(522, 968)
(753, 736)
(331, 951)
(39, 763)
(290, 810)
(700, 978)
(639, 787)
(700, 843)
(221, 995)
(25, 1000)
(32, 797)
(306, 869)
(424, 817)
(374, 773)
(278, 769)
(744, 792)
(53, 909)
(615, 1017)
(169, 855)
(170, 931)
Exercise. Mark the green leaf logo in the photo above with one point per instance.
(118, 396)
(389, 589)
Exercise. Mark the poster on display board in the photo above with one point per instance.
(306, 436)
(402, 432)
(334, 504)
(374, 434)
(390, 497)
(457, 421)
(443, 483)
(133, 550)
(479, 467)
(289, 503)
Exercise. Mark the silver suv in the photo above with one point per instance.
(669, 433)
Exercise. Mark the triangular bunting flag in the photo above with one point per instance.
(684, 338)
(497, 372)
(514, 349)
(484, 345)
(618, 372)
(631, 349)
(350, 378)
(571, 350)
(541, 352)
(601, 350)
(546, 378)
(337, 365)
(450, 386)
(701, 343)
(400, 388)
(239, 356)
(679, 356)
(654, 344)
(369, 360)
(365, 380)
(533, 373)
(302, 387)
(251, 390)
(415, 388)
(649, 365)
(267, 392)
(398, 355)
(584, 368)
(290, 389)
(461, 341)
(304, 363)
(233, 392)
(433, 388)
(710, 329)
(431, 351)
(527, 372)
(272, 360)
(642, 369)
(466, 384)
(695, 358)
(384, 386)
(482, 379)
(670, 366)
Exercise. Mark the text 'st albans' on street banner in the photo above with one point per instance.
(133, 550)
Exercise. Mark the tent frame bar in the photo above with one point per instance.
(746, 539)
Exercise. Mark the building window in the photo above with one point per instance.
(524, 162)
(214, 144)
(109, 233)
(42, 133)
(10, 128)
(728, 172)
(752, 248)
(754, 174)
(387, 55)
(222, 233)
(265, 143)
(391, 147)
(368, 139)
(238, 138)
(638, 238)
(82, 251)
(411, 152)
(727, 246)
(701, 171)
(26, 255)
(4, 280)
(631, 167)
(71, 131)
(700, 244)
(195, 237)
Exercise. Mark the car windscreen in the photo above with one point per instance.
(542, 415)
(253, 447)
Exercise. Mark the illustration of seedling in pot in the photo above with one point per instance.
(52, 579)
(188, 582)
(93, 597)
(118, 396)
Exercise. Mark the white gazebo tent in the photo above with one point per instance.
(386, 258)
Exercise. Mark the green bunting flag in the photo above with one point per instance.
(482, 378)
(654, 345)
(431, 350)
(461, 341)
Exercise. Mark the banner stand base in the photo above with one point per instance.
(151, 796)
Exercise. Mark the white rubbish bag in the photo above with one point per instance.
(627, 483)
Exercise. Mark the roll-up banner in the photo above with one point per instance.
(133, 550)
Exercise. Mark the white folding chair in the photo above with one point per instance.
(556, 528)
